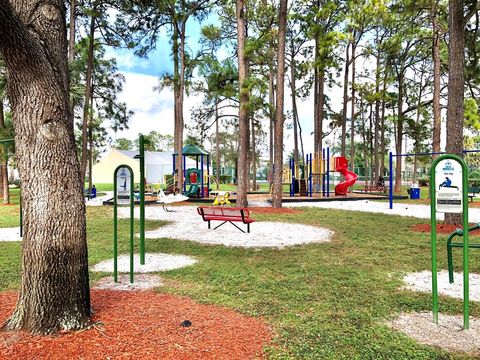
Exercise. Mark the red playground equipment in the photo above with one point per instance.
(341, 166)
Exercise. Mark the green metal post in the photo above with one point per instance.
(466, 292)
(142, 200)
(433, 232)
(115, 228)
(115, 224)
(132, 207)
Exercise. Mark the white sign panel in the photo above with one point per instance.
(449, 186)
(123, 186)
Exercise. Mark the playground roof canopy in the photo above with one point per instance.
(193, 150)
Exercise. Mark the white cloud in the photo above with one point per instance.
(154, 111)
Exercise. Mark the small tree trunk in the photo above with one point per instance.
(217, 143)
(377, 112)
(352, 120)
(399, 136)
(345, 100)
(254, 158)
(88, 96)
(4, 164)
(244, 103)
(271, 102)
(279, 116)
(294, 106)
(382, 126)
(437, 120)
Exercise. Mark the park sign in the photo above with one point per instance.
(122, 192)
(448, 194)
(449, 186)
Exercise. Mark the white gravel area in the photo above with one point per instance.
(153, 263)
(418, 211)
(448, 334)
(10, 234)
(187, 224)
(141, 282)
(422, 282)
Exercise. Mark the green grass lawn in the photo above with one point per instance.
(323, 301)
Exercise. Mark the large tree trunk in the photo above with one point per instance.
(279, 116)
(243, 108)
(88, 96)
(178, 127)
(345, 100)
(437, 120)
(382, 125)
(54, 293)
(456, 58)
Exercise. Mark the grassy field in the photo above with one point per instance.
(323, 301)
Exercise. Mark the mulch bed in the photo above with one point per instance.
(143, 325)
(441, 229)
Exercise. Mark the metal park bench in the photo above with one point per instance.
(225, 214)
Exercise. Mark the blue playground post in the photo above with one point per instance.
(292, 181)
(390, 169)
(328, 172)
(310, 176)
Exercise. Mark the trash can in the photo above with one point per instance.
(414, 193)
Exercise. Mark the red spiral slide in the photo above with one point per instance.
(341, 165)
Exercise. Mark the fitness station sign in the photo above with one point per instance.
(123, 185)
(449, 186)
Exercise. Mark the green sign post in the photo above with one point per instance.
(122, 177)
(448, 194)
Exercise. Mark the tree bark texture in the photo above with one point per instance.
(54, 292)
(71, 36)
(254, 157)
(279, 116)
(455, 111)
(244, 104)
(377, 112)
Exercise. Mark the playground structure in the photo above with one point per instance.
(314, 177)
(197, 178)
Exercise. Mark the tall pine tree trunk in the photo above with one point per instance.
(279, 116)
(377, 112)
(243, 108)
(254, 158)
(54, 292)
(437, 120)
(271, 103)
(217, 149)
(456, 83)
(345, 100)
(88, 96)
(399, 136)
(352, 120)
(294, 105)
(3, 163)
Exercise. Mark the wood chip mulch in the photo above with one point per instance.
(143, 325)
(441, 229)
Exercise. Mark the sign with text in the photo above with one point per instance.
(123, 186)
(449, 186)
